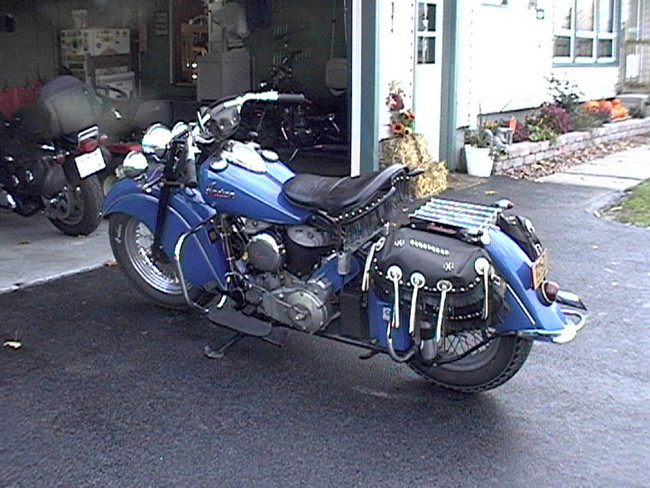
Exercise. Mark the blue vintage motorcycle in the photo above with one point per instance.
(457, 291)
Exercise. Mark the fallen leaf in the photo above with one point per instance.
(491, 192)
(22, 243)
(110, 264)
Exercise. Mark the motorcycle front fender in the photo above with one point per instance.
(202, 256)
(529, 315)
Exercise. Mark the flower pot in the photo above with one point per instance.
(479, 161)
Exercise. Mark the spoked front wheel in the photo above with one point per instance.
(132, 244)
(481, 365)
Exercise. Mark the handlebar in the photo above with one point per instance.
(268, 96)
(201, 133)
(191, 180)
(291, 98)
(190, 163)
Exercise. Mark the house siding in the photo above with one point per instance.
(506, 58)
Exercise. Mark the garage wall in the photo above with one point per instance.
(26, 55)
(31, 53)
(308, 27)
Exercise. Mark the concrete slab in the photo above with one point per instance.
(618, 171)
(633, 169)
(32, 250)
(631, 163)
(610, 182)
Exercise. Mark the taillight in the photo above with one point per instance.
(549, 290)
(88, 145)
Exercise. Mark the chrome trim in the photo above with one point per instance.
(391, 349)
(521, 305)
(444, 287)
(567, 334)
(177, 260)
(89, 133)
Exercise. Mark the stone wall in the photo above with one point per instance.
(524, 153)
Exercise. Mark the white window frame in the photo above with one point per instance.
(426, 34)
(595, 35)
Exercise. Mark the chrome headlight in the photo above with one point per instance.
(135, 163)
(156, 140)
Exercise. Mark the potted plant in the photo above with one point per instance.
(479, 148)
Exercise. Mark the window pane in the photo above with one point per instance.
(564, 14)
(584, 48)
(426, 17)
(606, 15)
(605, 48)
(426, 50)
(562, 46)
(585, 15)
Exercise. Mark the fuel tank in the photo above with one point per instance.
(239, 181)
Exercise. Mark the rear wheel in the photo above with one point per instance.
(132, 244)
(77, 209)
(487, 367)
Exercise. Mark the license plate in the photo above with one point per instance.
(90, 163)
(540, 269)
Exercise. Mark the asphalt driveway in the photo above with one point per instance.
(109, 390)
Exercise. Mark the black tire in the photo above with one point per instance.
(485, 369)
(81, 207)
(131, 242)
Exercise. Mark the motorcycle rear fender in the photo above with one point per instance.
(202, 257)
(528, 315)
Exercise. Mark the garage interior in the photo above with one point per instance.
(182, 54)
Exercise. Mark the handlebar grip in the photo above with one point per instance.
(291, 98)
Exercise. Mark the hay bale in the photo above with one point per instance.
(413, 151)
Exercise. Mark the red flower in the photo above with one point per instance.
(397, 128)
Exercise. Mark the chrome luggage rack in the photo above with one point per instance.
(470, 217)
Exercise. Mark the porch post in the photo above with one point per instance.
(364, 100)
(449, 149)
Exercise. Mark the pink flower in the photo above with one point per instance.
(395, 102)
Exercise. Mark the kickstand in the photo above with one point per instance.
(221, 352)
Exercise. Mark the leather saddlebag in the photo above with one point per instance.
(439, 268)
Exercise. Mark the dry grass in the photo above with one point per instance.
(413, 151)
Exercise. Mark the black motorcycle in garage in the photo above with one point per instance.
(49, 156)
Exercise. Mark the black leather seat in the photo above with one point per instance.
(338, 196)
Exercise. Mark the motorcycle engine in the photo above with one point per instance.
(279, 271)
(265, 252)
